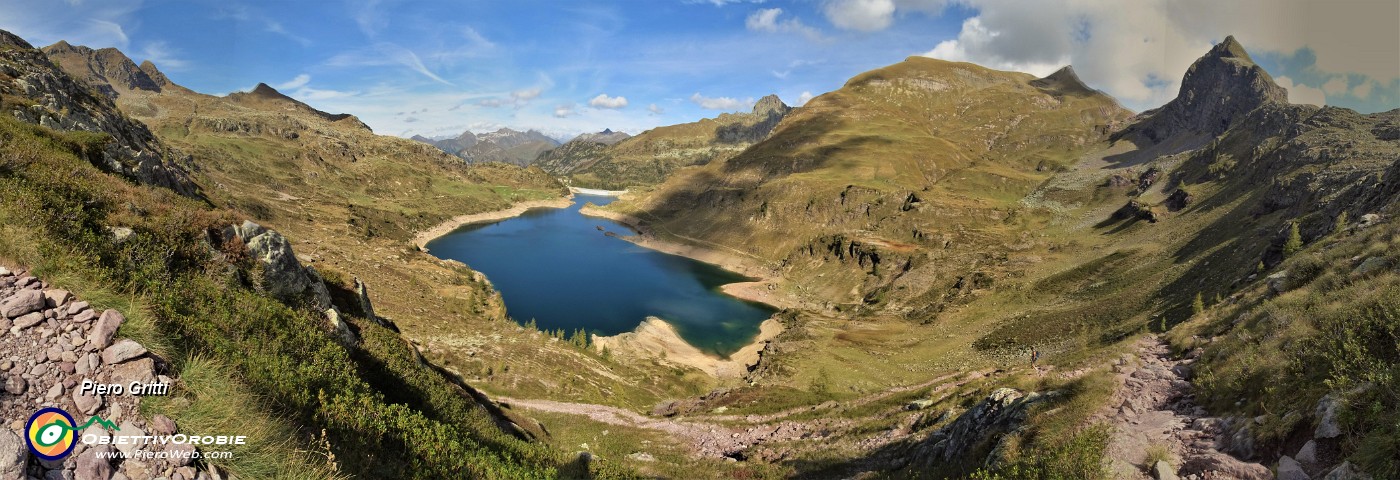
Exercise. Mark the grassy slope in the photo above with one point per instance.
(224, 336)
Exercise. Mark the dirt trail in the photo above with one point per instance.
(1154, 408)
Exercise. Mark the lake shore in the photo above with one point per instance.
(656, 338)
(766, 289)
(597, 192)
(422, 238)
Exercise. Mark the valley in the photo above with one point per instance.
(936, 270)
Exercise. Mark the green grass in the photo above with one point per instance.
(384, 414)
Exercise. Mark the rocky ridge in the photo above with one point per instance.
(33, 90)
(53, 341)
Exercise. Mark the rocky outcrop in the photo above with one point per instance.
(1219, 89)
(283, 275)
(1002, 412)
(36, 91)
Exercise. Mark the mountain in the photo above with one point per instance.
(503, 145)
(37, 92)
(956, 216)
(605, 137)
(653, 155)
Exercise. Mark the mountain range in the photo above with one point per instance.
(982, 274)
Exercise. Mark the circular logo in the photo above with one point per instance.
(51, 434)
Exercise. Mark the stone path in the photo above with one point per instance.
(50, 342)
(1155, 409)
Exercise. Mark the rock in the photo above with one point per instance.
(1346, 471)
(105, 329)
(133, 433)
(120, 234)
(1002, 411)
(14, 454)
(1290, 469)
(340, 327)
(283, 274)
(1218, 90)
(1241, 443)
(1369, 220)
(1224, 466)
(642, 457)
(1371, 265)
(919, 404)
(1326, 414)
(122, 351)
(55, 298)
(15, 385)
(1163, 471)
(88, 404)
(21, 303)
(162, 425)
(1307, 454)
(140, 370)
(28, 320)
(1180, 199)
(1278, 282)
(5, 272)
(181, 454)
(362, 292)
(77, 307)
(89, 467)
(58, 475)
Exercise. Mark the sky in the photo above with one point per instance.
(567, 67)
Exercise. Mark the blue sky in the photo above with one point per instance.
(437, 68)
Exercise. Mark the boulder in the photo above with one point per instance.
(1290, 469)
(55, 297)
(101, 335)
(140, 370)
(1308, 453)
(283, 275)
(13, 454)
(641, 457)
(1326, 413)
(1278, 282)
(162, 425)
(1346, 471)
(28, 320)
(1369, 220)
(1219, 465)
(90, 467)
(123, 350)
(21, 303)
(86, 403)
(1163, 471)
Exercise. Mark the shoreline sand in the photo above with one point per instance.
(655, 337)
(422, 238)
(597, 192)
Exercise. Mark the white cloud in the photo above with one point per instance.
(1139, 54)
(655, 110)
(564, 111)
(297, 82)
(1335, 86)
(1362, 91)
(110, 30)
(721, 103)
(861, 15)
(604, 101)
(766, 20)
(163, 56)
(527, 94)
(1302, 93)
(804, 98)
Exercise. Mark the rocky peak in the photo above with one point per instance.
(769, 105)
(1219, 88)
(8, 39)
(108, 70)
(1063, 82)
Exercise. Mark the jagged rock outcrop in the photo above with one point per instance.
(35, 91)
(1002, 412)
(1219, 89)
(283, 275)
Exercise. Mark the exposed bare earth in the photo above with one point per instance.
(423, 237)
(656, 338)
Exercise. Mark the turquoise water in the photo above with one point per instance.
(556, 267)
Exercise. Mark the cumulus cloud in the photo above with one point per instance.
(1335, 86)
(721, 103)
(527, 94)
(1139, 54)
(655, 110)
(861, 15)
(297, 82)
(804, 98)
(564, 111)
(1302, 93)
(604, 101)
(766, 20)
